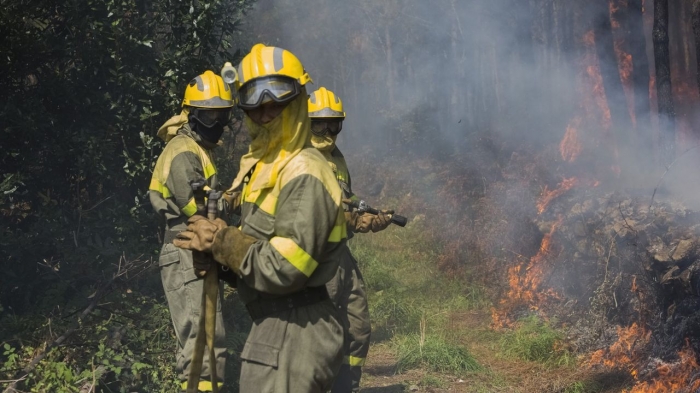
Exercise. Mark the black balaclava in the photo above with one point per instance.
(211, 133)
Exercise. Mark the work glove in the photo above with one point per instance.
(381, 220)
(200, 234)
(359, 223)
(230, 247)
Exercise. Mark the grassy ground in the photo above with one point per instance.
(431, 332)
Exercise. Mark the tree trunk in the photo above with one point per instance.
(696, 31)
(609, 71)
(664, 91)
(640, 76)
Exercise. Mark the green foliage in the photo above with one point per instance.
(117, 347)
(535, 340)
(433, 352)
(87, 84)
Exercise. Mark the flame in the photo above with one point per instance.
(628, 353)
(548, 196)
(625, 66)
(673, 377)
(525, 281)
(570, 146)
(625, 351)
(596, 99)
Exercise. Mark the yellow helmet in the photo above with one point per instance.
(265, 61)
(324, 104)
(269, 74)
(208, 91)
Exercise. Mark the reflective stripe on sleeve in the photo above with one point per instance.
(159, 187)
(209, 170)
(190, 208)
(299, 258)
(340, 228)
(353, 361)
(338, 233)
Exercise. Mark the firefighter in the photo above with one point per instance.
(292, 231)
(190, 138)
(347, 288)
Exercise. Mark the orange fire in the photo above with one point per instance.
(525, 282)
(627, 352)
(570, 146)
(672, 377)
(594, 101)
(548, 196)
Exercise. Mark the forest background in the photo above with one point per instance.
(476, 98)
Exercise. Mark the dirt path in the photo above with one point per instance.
(500, 375)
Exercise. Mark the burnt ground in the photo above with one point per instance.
(501, 374)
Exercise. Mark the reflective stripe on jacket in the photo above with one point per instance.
(300, 226)
(182, 161)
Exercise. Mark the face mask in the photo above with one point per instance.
(324, 143)
(264, 136)
(209, 124)
(211, 134)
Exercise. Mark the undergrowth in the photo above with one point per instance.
(433, 352)
(411, 300)
(535, 340)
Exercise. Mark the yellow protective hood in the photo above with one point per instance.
(324, 143)
(169, 129)
(274, 144)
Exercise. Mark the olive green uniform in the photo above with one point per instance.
(295, 232)
(183, 160)
(347, 290)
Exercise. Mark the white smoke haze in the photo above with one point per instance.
(432, 77)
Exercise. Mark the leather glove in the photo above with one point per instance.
(381, 221)
(200, 234)
(359, 223)
(231, 247)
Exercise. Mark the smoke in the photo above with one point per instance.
(434, 78)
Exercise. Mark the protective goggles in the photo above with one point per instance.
(323, 127)
(209, 117)
(271, 88)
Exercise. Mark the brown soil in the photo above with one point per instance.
(501, 374)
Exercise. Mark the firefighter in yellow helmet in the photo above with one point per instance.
(292, 231)
(187, 156)
(347, 288)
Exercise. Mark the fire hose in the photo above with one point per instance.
(210, 292)
(363, 207)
